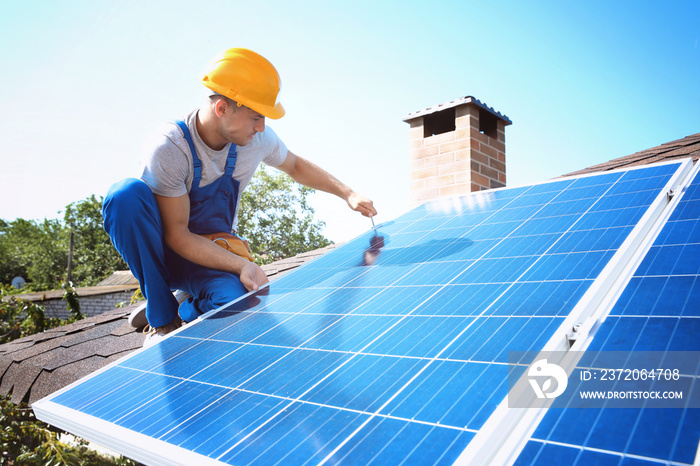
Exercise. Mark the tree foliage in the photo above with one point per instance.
(94, 257)
(276, 218)
(32, 250)
(38, 250)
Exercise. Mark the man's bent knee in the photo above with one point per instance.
(129, 199)
(126, 192)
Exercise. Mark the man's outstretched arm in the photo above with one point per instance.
(175, 216)
(309, 174)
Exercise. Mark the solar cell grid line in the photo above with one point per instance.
(328, 350)
(659, 310)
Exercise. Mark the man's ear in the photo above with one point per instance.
(221, 107)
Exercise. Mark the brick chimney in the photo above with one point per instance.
(456, 148)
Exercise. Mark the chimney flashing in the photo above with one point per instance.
(456, 103)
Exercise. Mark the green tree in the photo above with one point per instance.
(94, 257)
(33, 250)
(276, 218)
(38, 251)
(48, 255)
(11, 252)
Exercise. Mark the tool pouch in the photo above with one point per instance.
(232, 244)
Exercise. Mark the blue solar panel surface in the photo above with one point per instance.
(391, 348)
(658, 311)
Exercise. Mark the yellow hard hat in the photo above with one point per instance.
(248, 78)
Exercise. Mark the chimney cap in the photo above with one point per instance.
(455, 103)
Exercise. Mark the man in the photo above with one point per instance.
(175, 226)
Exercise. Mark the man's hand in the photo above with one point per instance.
(252, 276)
(361, 204)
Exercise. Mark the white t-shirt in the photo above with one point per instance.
(167, 161)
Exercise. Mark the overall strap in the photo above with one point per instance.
(196, 163)
(231, 160)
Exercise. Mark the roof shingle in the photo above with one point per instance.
(681, 148)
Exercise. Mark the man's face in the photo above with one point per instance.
(240, 125)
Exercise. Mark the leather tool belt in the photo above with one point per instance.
(232, 244)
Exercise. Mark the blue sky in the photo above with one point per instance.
(85, 82)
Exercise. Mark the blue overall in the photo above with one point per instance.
(132, 220)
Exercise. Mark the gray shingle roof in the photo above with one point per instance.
(38, 365)
(689, 146)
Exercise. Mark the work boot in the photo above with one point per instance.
(137, 318)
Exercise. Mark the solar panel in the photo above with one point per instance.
(391, 348)
(658, 311)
